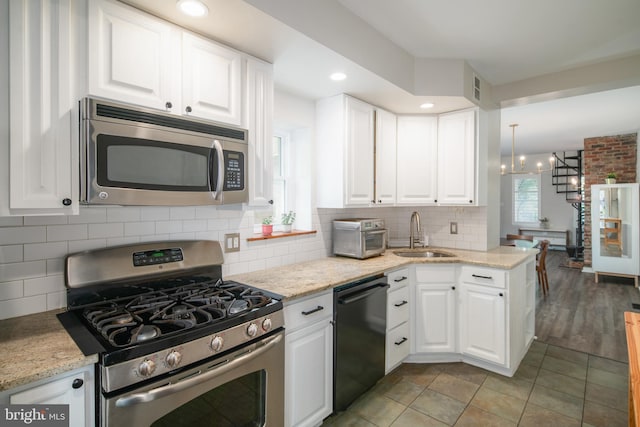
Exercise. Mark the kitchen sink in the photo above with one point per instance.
(423, 253)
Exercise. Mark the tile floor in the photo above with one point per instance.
(554, 386)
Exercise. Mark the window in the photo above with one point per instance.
(526, 199)
(281, 202)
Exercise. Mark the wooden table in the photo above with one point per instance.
(632, 328)
(507, 242)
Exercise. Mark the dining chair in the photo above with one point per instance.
(541, 267)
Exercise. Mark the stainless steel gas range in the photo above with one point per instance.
(177, 345)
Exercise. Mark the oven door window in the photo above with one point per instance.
(374, 240)
(153, 165)
(238, 403)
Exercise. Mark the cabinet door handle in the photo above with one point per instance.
(400, 279)
(403, 340)
(482, 277)
(400, 304)
(77, 383)
(315, 310)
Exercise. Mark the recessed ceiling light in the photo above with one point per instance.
(193, 8)
(338, 76)
(427, 105)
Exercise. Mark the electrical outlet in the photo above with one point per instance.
(453, 228)
(232, 242)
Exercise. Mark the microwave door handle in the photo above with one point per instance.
(220, 181)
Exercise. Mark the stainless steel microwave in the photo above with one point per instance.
(137, 156)
(359, 237)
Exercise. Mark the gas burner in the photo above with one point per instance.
(144, 333)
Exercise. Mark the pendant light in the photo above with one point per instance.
(503, 168)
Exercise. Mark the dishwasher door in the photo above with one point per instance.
(360, 321)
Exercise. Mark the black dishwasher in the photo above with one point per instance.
(360, 322)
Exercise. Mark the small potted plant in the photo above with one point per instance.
(267, 226)
(611, 178)
(544, 222)
(287, 221)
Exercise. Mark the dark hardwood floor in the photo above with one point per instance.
(582, 315)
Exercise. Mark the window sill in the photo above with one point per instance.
(279, 234)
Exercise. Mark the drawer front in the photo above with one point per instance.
(435, 274)
(484, 276)
(397, 307)
(398, 278)
(397, 345)
(299, 314)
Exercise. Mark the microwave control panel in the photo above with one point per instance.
(235, 173)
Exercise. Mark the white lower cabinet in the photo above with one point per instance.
(397, 344)
(482, 322)
(74, 388)
(309, 360)
(478, 315)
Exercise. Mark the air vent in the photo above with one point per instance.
(476, 87)
(121, 113)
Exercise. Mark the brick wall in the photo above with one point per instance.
(602, 155)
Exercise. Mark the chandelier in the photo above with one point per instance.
(503, 168)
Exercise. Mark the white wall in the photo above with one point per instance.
(561, 214)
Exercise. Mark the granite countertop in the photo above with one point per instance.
(35, 347)
(298, 280)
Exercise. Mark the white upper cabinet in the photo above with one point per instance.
(211, 78)
(259, 116)
(457, 158)
(41, 153)
(417, 157)
(344, 152)
(137, 58)
(132, 56)
(385, 165)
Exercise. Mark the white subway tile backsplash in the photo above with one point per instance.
(183, 212)
(36, 251)
(46, 220)
(55, 266)
(117, 241)
(206, 212)
(153, 213)
(123, 214)
(218, 224)
(89, 215)
(56, 300)
(110, 230)
(23, 306)
(139, 228)
(194, 225)
(22, 270)
(11, 253)
(11, 221)
(168, 227)
(43, 285)
(21, 235)
(85, 245)
(59, 233)
(11, 290)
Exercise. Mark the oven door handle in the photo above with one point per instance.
(166, 390)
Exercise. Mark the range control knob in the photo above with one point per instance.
(147, 367)
(266, 325)
(173, 359)
(216, 343)
(252, 330)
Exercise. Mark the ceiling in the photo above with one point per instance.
(509, 44)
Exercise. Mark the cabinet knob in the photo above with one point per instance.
(453, 288)
(77, 383)
(379, 201)
(168, 105)
(188, 109)
(270, 202)
(66, 202)
(501, 294)
(435, 201)
(373, 201)
(470, 201)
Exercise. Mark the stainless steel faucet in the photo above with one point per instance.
(413, 238)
